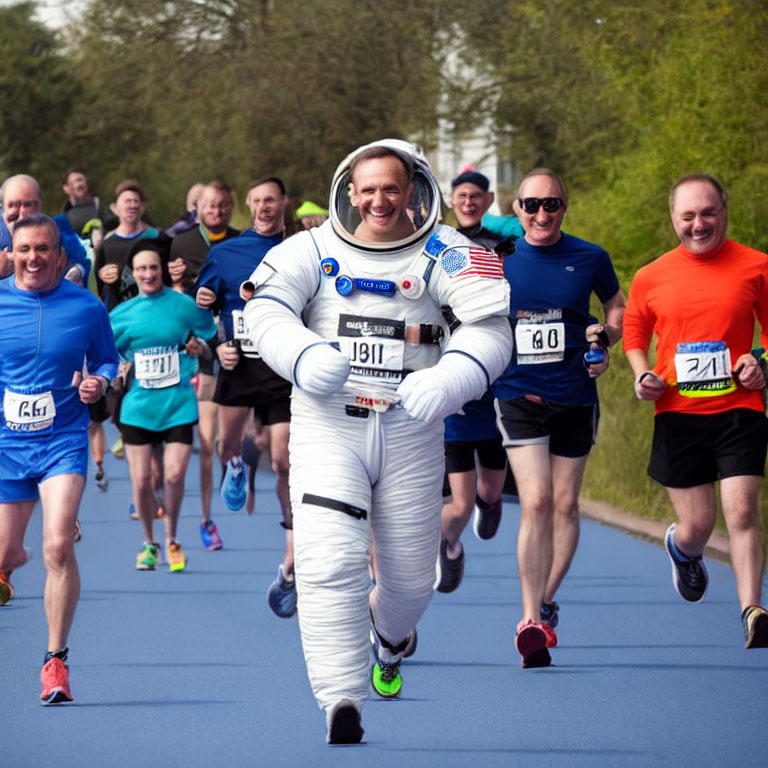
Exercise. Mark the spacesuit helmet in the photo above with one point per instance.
(423, 207)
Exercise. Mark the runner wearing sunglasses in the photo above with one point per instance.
(546, 400)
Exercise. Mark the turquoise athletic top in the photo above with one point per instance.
(149, 331)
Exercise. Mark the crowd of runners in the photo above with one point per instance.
(402, 376)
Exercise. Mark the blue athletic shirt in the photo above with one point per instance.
(44, 340)
(476, 422)
(550, 293)
(154, 326)
(229, 264)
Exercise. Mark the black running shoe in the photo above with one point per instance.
(449, 572)
(344, 724)
(690, 575)
(755, 619)
(487, 519)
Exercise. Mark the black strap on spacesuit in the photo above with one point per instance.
(339, 506)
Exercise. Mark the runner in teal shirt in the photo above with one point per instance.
(149, 331)
(157, 332)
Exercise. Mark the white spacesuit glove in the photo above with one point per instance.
(436, 392)
(321, 369)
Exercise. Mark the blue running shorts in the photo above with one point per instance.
(27, 463)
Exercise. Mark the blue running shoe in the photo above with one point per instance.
(689, 574)
(281, 595)
(210, 535)
(549, 613)
(233, 488)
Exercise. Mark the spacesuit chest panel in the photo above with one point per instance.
(362, 306)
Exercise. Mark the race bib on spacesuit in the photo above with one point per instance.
(375, 347)
(703, 369)
(28, 413)
(157, 367)
(240, 332)
(540, 337)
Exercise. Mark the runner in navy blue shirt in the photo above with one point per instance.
(245, 381)
(547, 398)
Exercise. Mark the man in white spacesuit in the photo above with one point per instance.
(350, 312)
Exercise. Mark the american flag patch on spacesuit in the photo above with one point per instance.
(469, 262)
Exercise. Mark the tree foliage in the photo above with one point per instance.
(237, 89)
(36, 96)
(624, 98)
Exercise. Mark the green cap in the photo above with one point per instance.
(308, 208)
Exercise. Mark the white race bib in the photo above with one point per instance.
(375, 347)
(540, 338)
(703, 369)
(28, 413)
(157, 367)
(374, 357)
(240, 331)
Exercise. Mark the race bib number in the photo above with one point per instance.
(375, 348)
(540, 337)
(28, 413)
(240, 330)
(157, 367)
(703, 369)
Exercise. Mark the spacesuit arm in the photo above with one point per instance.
(283, 284)
(476, 354)
(488, 343)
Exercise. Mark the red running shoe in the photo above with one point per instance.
(531, 642)
(551, 634)
(55, 679)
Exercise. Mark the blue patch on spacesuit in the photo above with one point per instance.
(453, 261)
(329, 267)
(434, 245)
(344, 285)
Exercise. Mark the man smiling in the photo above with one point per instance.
(47, 328)
(349, 312)
(547, 403)
(701, 300)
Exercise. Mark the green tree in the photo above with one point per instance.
(37, 96)
(235, 89)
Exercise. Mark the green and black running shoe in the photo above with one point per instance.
(386, 679)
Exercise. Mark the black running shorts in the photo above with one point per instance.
(569, 430)
(691, 449)
(139, 436)
(253, 384)
(460, 456)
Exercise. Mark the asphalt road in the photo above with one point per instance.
(193, 669)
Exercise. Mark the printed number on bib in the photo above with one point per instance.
(375, 347)
(240, 330)
(540, 337)
(703, 369)
(28, 413)
(157, 367)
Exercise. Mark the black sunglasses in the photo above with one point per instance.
(532, 204)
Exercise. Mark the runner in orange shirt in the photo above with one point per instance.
(700, 300)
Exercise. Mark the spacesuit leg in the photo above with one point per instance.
(405, 519)
(332, 550)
